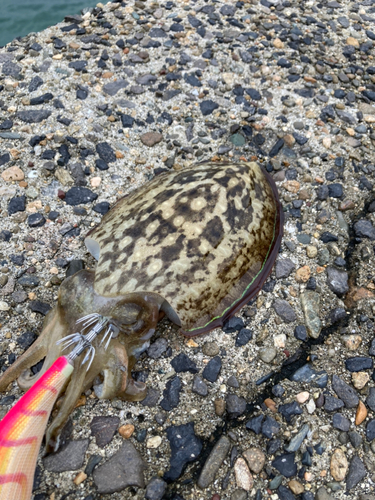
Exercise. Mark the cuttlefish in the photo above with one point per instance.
(194, 245)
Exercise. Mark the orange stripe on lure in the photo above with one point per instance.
(22, 430)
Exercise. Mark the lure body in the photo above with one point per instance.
(22, 430)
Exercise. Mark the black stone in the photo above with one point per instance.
(335, 190)
(48, 154)
(171, 394)
(370, 400)
(270, 427)
(7, 400)
(102, 207)
(182, 363)
(276, 148)
(254, 94)
(364, 229)
(124, 468)
(233, 324)
(273, 446)
(337, 281)
(101, 164)
(340, 422)
(285, 464)
(26, 339)
(103, 428)
(289, 410)
(300, 139)
(105, 152)
(255, 424)
(36, 139)
(82, 94)
(6, 125)
(157, 348)
(336, 315)
(356, 473)
(278, 390)
(332, 404)
(5, 158)
(157, 33)
(243, 337)
(358, 364)
(59, 44)
(17, 204)
(306, 459)
(207, 107)
(185, 448)
(79, 195)
(65, 155)
(300, 333)
(212, 369)
(17, 259)
(327, 237)
(284, 493)
(28, 281)
(370, 430)
(269, 286)
(40, 307)
(42, 99)
(369, 94)
(11, 69)
(322, 192)
(35, 83)
(127, 121)
(355, 439)
(345, 392)
(235, 405)
(5, 235)
(78, 65)
(34, 115)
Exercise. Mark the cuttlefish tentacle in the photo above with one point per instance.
(43, 346)
(72, 394)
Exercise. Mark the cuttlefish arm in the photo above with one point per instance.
(134, 317)
(44, 347)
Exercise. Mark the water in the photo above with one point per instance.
(20, 17)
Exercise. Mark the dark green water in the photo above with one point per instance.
(20, 17)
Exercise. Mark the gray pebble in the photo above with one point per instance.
(71, 457)
(213, 462)
(267, 354)
(199, 386)
(239, 495)
(337, 281)
(345, 392)
(284, 267)
(125, 468)
(155, 489)
(157, 348)
(322, 494)
(284, 310)
(235, 405)
(357, 472)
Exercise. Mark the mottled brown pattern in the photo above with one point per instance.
(197, 238)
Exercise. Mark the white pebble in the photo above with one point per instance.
(154, 442)
(4, 306)
(310, 407)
